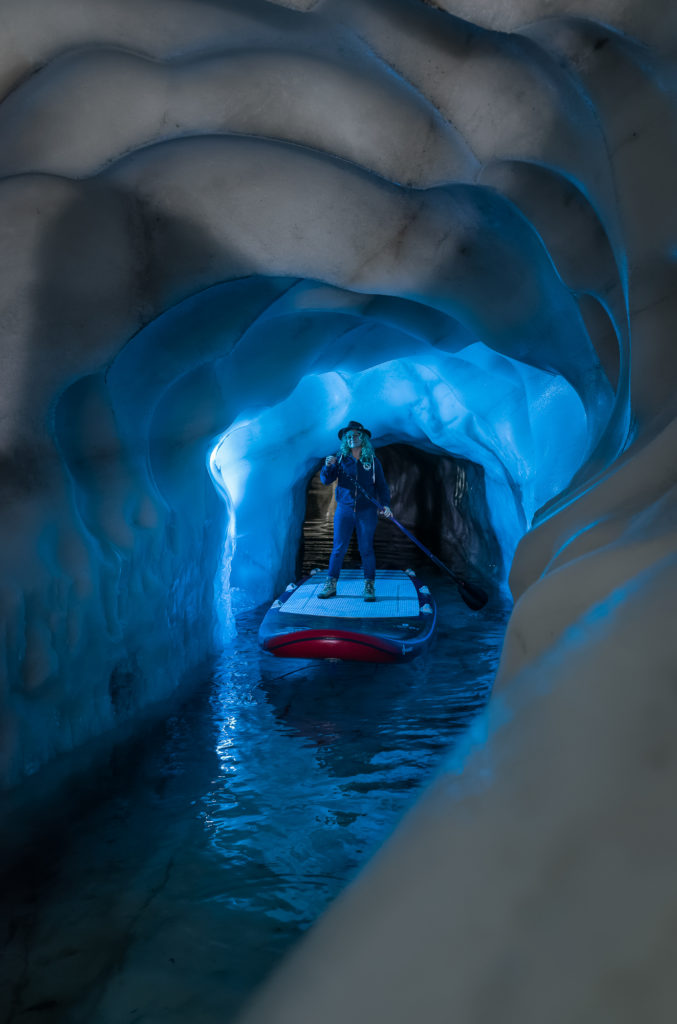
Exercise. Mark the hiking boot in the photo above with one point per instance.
(329, 589)
(369, 592)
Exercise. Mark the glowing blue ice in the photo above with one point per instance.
(527, 428)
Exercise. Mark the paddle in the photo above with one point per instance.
(474, 596)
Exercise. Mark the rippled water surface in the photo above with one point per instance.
(225, 836)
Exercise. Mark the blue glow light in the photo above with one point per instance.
(527, 428)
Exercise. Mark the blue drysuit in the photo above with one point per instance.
(354, 511)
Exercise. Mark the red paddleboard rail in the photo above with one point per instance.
(335, 643)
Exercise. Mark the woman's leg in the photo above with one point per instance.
(365, 526)
(344, 524)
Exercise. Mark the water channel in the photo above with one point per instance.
(218, 839)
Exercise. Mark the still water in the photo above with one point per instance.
(222, 837)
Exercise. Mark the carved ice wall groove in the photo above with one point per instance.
(71, 118)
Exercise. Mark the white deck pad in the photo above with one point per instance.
(396, 597)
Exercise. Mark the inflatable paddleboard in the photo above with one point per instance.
(395, 627)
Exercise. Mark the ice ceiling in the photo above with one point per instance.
(246, 220)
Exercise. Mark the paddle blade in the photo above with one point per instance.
(473, 596)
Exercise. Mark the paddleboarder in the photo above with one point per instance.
(360, 489)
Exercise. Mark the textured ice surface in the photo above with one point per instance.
(209, 205)
(525, 427)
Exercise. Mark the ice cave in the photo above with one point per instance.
(228, 227)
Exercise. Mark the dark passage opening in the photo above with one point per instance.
(441, 499)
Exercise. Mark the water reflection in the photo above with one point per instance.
(320, 760)
(228, 831)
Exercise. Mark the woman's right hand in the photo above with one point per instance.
(330, 460)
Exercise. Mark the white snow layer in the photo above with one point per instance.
(241, 222)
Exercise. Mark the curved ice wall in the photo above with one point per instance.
(508, 417)
(211, 209)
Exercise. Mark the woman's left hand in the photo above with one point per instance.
(385, 511)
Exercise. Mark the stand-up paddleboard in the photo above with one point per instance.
(394, 627)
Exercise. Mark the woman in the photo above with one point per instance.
(359, 474)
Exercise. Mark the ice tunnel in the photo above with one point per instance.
(229, 226)
(527, 432)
